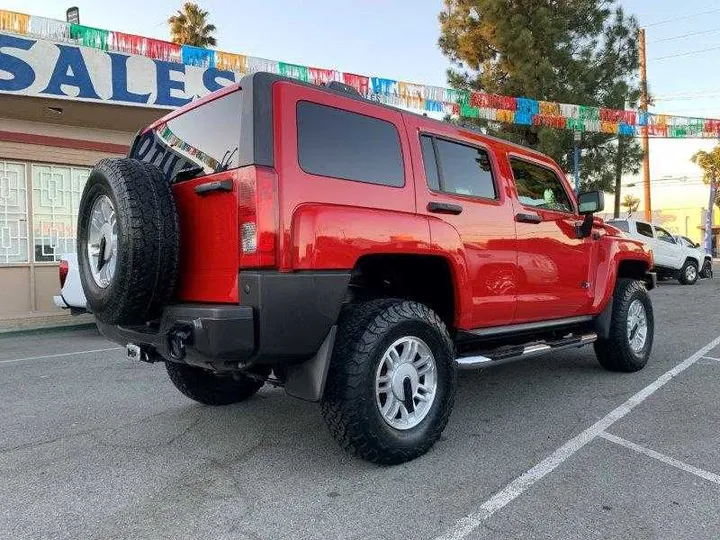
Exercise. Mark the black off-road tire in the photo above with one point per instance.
(690, 267)
(206, 387)
(365, 332)
(148, 241)
(615, 353)
(707, 270)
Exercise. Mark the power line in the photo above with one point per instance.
(673, 38)
(683, 36)
(687, 98)
(682, 18)
(688, 53)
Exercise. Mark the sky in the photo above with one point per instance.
(397, 39)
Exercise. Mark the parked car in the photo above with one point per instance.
(706, 270)
(354, 253)
(71, 294)
(672, 258)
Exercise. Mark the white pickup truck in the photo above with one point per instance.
(676, 258)
(71, 294)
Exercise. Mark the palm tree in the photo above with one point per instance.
(631, 203)
(709, 162)
(190, 27)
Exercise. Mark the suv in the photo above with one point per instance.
(353, 253)
(673, 258)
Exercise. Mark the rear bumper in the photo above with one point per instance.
(282, 318)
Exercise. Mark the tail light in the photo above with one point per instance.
(63, 272)
(257, 218)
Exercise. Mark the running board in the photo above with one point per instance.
(528, 351)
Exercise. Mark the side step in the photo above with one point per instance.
(527, 351)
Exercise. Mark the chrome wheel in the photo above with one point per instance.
(691, 273)
(406, 383)
(637, 326)
(102, 241)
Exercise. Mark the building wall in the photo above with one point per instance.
(43, 170)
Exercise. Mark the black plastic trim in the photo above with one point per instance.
(530, 327)
(294, 311)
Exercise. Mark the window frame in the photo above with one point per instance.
(441, 176)
(343, 178)
(657, 237)
(652, 229)
(532, 161)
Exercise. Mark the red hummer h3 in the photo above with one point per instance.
(353, 253)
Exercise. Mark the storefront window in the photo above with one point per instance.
(56, 198)
(13, 213)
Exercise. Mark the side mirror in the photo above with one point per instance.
(591, 202)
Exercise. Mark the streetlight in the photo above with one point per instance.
(73, 15)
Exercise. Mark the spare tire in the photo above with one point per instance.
(128, 241)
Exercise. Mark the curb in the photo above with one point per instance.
(46, 330)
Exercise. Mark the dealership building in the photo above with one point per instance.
(63, 107)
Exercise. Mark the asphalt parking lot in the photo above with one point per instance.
(94, 446)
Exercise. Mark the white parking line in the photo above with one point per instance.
(712, 477)
(711, 358)
(57, 355)
(517, 487)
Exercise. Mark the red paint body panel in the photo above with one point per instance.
(298, 188)
(209, 245)
(485, 227)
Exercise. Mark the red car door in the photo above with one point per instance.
(458, 183)
(555, 274)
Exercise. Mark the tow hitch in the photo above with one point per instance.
(137, 353)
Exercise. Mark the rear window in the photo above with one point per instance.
(207, 137)
(622, 225)
(644, 229)
(350, 146)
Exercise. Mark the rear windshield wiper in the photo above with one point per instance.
(187, 174)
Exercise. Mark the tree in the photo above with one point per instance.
(631, 203)
(190, 27)
(582, 52)
(709, 162)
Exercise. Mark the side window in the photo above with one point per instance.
(342, 144)
(431, 168)
(622, 225)
(644, 229)
(539, 187)
(463, 169)
(665, 236)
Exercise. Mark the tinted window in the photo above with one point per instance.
(342, 144)
(622, 225)
(465, 170)
(431, 170)
(665, 236)
(539, 187)
(207, 137)
(644, 229)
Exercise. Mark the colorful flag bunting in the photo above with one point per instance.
(456, 102)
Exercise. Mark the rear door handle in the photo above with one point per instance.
(528, 217)
(216, 185)
(444, 208)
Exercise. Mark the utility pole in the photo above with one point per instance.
(618, 175)
(644, 130)
(577, 137)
